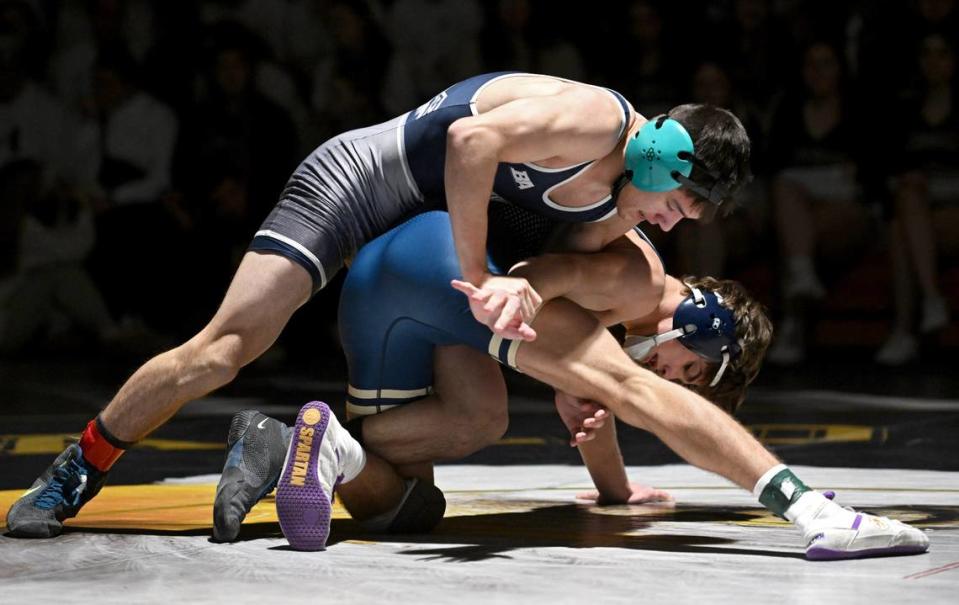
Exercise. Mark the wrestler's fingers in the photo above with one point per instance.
(465, 287)
(593, 423)
(590, 495)
(526, 333)
(475, 295)
(582, 437)
(588, 407)
(509, 315)
(659, 495)
(495, 303)
(526, 309)
(531, 305)
(510, 333)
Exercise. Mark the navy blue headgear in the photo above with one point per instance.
(703, 325)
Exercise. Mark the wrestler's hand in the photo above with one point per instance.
(638, 494)
(505, 305)
(582, 417)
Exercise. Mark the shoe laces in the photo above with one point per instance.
(67, 485)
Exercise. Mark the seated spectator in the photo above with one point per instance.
(45, 291)
(434, 42)
(81, 28)
(234, 128)
(524, 36)
(346, 81)
(651, 75)
(925, 209)
(755, 43)
(136, 134)
(703, 248)
(234, 156)
(817, 199)
(34, 124)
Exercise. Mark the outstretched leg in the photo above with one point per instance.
(575, 354)
(265, 292)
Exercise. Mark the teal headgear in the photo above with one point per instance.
(657, 150)
(661, 156)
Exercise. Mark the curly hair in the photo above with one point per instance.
(753, 329)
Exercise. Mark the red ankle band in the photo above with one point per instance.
(97, 450)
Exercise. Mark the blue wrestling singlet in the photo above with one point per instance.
(397, 306)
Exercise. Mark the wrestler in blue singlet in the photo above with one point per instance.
(397, 306)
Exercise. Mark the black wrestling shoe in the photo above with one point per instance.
(58, 494)
(256, 448)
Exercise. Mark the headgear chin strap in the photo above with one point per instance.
(660, 157)
(703, 325)
(640, 347)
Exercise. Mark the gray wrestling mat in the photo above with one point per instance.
(512, 534)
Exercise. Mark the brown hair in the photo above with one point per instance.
(754, 330)
(721, 142)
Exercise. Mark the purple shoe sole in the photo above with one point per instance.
(301, 506)
(826, 554)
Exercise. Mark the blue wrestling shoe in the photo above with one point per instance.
(256, 448)
(57, 495)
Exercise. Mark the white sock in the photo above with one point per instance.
(813, 507)
(351, 454)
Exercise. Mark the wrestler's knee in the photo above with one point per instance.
(494, 423)
(471, 434)
(480, 422)
(485, 406)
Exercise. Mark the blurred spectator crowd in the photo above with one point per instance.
(143, 141)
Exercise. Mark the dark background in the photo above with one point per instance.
(143, 141)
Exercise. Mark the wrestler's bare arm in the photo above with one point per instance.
(580, 123)
(575, 354)
(622, 282)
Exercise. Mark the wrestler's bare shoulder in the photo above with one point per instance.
(523, 86)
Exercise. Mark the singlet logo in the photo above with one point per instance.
(522, 178)
(431, 105)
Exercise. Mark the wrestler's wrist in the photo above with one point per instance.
(620, 495)
(476, 276)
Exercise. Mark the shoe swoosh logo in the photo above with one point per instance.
(262, 422)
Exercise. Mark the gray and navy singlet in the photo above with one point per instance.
(361, 183)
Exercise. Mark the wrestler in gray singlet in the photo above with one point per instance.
(360, 184)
